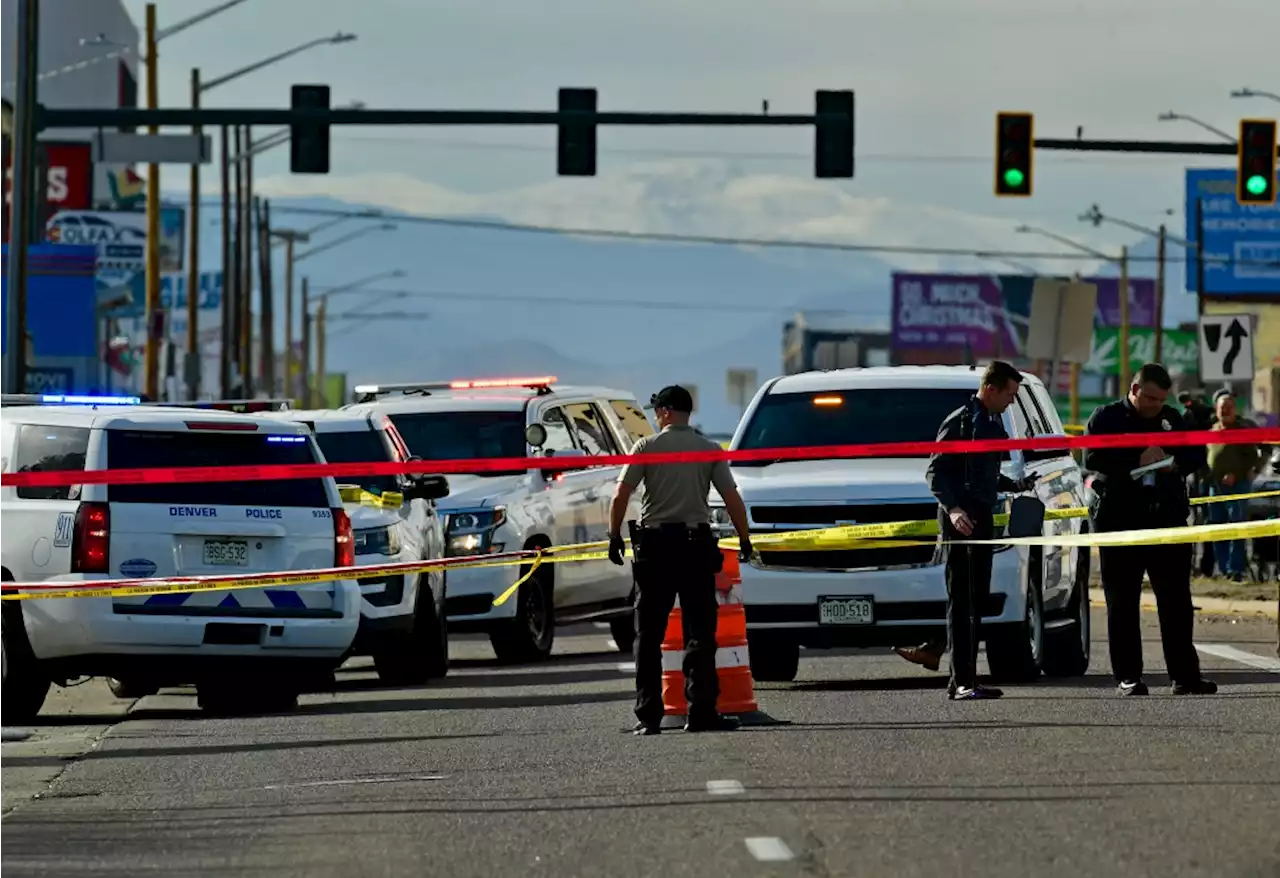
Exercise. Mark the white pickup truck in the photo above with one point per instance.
(1037, 617)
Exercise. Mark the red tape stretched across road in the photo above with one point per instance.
(171, 475)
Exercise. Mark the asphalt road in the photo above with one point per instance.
(528, 771)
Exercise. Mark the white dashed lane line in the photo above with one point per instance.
(769, 849)
(626, 667)
(724, 787)
(1221, 650)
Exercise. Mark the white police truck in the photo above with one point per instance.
(491, 512)
(394, 519)
(1036, 618)
(244, 649)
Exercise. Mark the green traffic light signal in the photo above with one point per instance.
(1013, 178)
(1256, 185)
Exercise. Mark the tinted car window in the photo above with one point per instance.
(592, 432)
(850, 417)
(633, 420)
(127, 449)
(559, 436)
(359, 446)
(51, 449)
(463, 435)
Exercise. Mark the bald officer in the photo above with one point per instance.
(675, 554)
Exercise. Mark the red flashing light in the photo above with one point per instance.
(491, 383)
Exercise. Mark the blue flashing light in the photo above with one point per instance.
(286, 438)
(73, 399)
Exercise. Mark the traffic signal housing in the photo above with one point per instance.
(833, 134)
(576, 141)
(309, 141)
(1256, 174)
(1015, 144)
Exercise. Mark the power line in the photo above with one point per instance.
(677, 238)
(482, 299)
(744, 155)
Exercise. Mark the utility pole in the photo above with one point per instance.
(154, 315)
(224, 355)
(1160, 276)
(24, 193)
(246, 268)
(291, 238)
(322, 388)
(192, 371)
(236, 281)
(1124, 321)
(266, 315)
(306, 346)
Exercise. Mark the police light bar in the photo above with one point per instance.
(368, 392)
(66, 399)
(240, 406)
(492, 383)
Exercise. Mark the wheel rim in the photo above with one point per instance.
(536, 611)
(1084, 618)
(1034, 632)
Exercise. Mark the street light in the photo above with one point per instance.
(352, 287)
(1171, 116)
(1247, 92)
(350, 236)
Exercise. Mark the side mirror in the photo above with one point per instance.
(426, 487)
(535, 435)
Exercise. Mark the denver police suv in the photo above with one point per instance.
(394, 519)
(1037, 617)
(524, 509)
(246, 648)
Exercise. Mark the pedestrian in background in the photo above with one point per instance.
(1152, 499)
(1198, 416)
(675, 554)
(967, 488)
(1231, 471)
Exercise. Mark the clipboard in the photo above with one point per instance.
(1141, 471)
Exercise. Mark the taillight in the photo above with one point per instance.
(344, 541)
(91, 539)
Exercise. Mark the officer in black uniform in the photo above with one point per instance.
(966, 486)
(675, 554)
(1150, 500)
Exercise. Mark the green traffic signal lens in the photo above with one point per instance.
(1256, 185)
(1013, 178)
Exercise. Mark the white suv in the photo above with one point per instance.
(245, 648)
(1037, 617)
(394, 518)
(525, 509)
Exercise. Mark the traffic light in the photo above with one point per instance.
(576, 141)
(1256, 175)
(309, 141)
(833, 134)
(1015, 142)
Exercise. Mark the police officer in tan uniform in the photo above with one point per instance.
(675, 554)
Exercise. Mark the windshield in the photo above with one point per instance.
(463, 435)
(127, 449)
(359, 446)
(849, 417)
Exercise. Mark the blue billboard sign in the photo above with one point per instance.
(1241, 243)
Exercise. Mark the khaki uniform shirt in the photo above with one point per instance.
(676, 493)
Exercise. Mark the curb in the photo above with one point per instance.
(1205, 606)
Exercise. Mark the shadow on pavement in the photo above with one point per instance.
(390, 705)
(549, 677)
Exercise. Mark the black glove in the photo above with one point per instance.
(744, 548)
(617, 549)
(1026, 483)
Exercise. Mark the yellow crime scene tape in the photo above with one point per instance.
(858, 536)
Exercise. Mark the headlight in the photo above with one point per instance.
(471, 532)
(377, 541)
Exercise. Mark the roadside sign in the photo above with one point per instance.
(741, 385)
(1241, 242)
(1226, 347)
(1061, 320)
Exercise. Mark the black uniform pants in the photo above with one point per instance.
(1170, 570)
(968, 587)
(675, 562)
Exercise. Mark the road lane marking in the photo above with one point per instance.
(613, 644)
(1221, 650)
(769, 849)
(351, 781)
(724, 787)
(626, 667)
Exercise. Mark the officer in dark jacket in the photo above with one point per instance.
(1150, 500)
(966, 486)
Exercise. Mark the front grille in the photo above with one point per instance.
(846, 559)
(830, 514)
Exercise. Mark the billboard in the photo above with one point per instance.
(987, 315)
(1241, 243)
(121, 237)
(1179, 350)
(173, 293)
(68, 179)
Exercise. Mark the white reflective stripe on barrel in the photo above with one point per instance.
(726, 657)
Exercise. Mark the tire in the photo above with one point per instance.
(773, 659)
(530, 635)
(420, 654)
(1015, 651)
(1066, 649)
(25, 685)
(131, 688)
